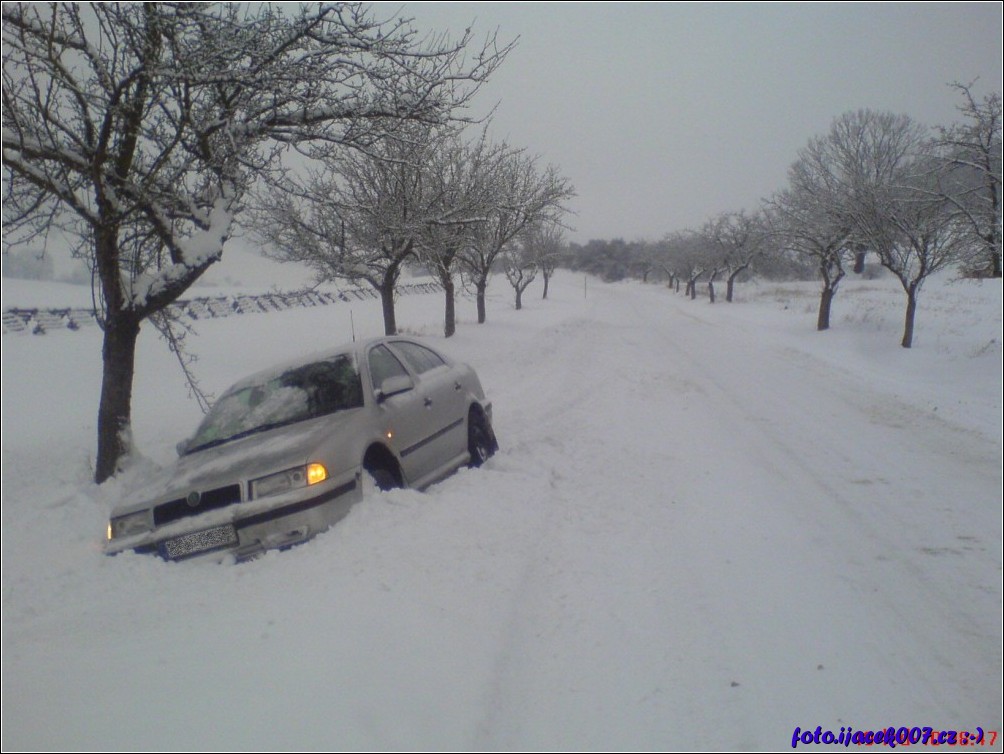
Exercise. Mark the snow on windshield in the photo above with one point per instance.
(300, 393)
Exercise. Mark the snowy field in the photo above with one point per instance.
(707, 526)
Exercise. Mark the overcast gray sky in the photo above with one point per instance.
(664, 114)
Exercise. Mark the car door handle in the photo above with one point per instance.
(428, 402)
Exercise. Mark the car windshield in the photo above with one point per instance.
(300, 393)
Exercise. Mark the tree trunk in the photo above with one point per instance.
(911, 311)
(825, 301)
(678, 285)
(481, 286)
(115, 409)
(450, 325)
(519, 298)
(730, 287)
(711, 290)
(387, 301)
(859, 261)
(547, 279)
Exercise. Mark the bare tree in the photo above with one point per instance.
(687, 259)
(460, 201)
(137, 129)
(668, 259)
(521, 195)
(893, 201)
(811, 218)
(520, 264)
(970, 153)
(357, 216)
(803, 227)
(544, 242)
(737, 239)
(913, 230)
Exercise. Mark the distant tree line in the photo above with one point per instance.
(918, 200)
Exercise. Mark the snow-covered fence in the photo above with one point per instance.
(41, 321)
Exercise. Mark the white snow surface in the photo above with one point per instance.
(706, 525)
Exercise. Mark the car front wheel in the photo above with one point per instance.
(479, 441)
(384, 479)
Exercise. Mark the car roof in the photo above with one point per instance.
(354, 348)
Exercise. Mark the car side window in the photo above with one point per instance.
(419, 358)
(327, 385)
(384, 364)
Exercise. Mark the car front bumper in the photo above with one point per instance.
(249, 528)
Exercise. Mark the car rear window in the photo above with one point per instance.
(419, 358)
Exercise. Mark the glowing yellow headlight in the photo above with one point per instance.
(316, 473)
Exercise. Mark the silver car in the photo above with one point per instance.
(282, 454)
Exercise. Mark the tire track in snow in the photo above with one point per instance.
(591, 653)
(869, 520)
(746, 564)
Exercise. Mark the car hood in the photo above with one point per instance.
(232, 462)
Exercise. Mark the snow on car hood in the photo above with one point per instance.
(239, 460)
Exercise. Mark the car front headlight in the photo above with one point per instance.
(290, 479)
(126, 526)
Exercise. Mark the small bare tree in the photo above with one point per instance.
(520, 265)
(358, 216)
(893, 201)
(811, 218)
(520, 195)
(804, 227)
(686, 259)
(913, 231)
(544, 242)
(736, 240)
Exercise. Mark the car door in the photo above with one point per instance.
(408, 423)
(442, 396)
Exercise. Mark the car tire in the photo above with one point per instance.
(479, 442)
(384, 478)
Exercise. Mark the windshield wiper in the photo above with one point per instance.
(247, 432)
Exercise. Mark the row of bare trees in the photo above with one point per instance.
(878, 183)
(143, 131)
(724, 248)
(424, 195)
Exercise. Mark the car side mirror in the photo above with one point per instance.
(400, 383)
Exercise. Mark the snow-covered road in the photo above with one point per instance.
(697, 534)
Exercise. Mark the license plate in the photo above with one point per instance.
(201, 541)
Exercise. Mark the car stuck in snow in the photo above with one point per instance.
(283, 453)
